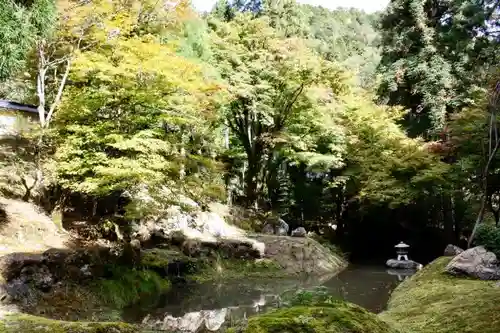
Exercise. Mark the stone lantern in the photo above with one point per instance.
(402, 251)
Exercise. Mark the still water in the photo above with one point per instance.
(215, 305)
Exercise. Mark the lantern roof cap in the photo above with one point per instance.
(402, 245)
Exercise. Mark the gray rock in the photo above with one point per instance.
(279, 228)
(299, 232)
(282, 229)
(452, 250)
(136, 244)
(268, 229)
(476, 262)
(403, 264)
(86, 270)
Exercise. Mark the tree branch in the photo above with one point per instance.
(60, 90)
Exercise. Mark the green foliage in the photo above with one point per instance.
(434, 57)
(488, 235)
(383, 163)
(347, 36)
(303, 297)
(137, 113)
(273, 99)
(159, 100)
(127, 286)
(23, 24)
(222, 269)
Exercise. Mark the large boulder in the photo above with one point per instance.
(477, 263)
(403, 264)
(452, 250)
(301, 255)
(206, 228)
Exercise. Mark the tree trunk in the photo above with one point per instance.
(495, 212)
(479, 220)
(251, 176)
(449, 233)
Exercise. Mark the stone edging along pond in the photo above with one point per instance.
(41, 285)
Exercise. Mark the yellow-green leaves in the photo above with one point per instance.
(136, 110)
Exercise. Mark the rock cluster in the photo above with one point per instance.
(278, 227)
(25, 274)
(196, 231)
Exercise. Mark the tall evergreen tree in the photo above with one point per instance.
(433, 56)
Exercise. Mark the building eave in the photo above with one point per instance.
(10, 105)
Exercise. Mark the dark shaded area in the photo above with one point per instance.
(375, 243)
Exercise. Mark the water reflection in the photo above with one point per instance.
(191, 308)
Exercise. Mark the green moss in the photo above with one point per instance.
(31, 324)
(159, 259)
(434, 302)
(127, 286)
(155, 259)
(338, 317)
(220, 268)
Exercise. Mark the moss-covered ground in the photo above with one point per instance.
(231, 269)
(30, 324)
(103, 298)
(434, 302)
(210, 268)
(337, 317)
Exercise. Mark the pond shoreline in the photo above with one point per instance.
(149, 275)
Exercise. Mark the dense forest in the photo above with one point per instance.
(382, 124)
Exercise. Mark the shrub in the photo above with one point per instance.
(488, 235)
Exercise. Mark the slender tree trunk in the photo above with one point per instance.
(251, 179)
(479, 219)
(448, 219)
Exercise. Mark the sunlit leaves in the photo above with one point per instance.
(137, 111)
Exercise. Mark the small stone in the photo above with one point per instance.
(136, 244)
(268, 229)
(452, 250)
(299, 232)
(86, 270)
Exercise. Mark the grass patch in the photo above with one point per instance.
(127, 286)
(17, 323)
(434, 302)
(334, 317)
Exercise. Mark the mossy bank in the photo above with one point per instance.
(337, 317)
(17, 323)
(434, 302)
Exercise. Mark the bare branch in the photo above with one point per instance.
(60, 90)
